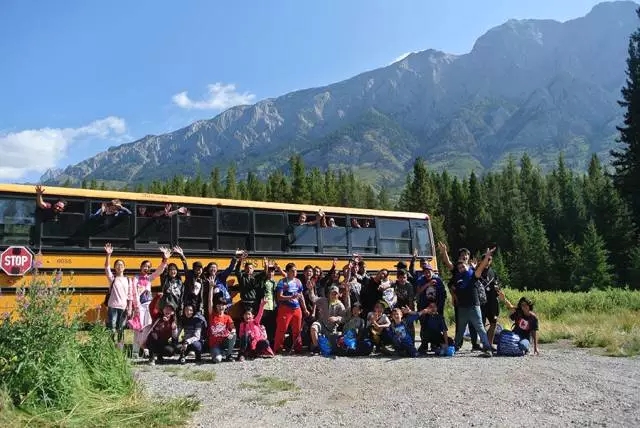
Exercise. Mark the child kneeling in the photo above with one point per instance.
(222, 333)
(401, 321)
(253, 336)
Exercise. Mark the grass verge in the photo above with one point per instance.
(52, 376)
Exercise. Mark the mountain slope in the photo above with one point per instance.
(538, 86)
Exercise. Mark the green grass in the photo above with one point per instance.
(190, 374)
(608, 319)
(270, 391)
(54, 375)
(267, 384)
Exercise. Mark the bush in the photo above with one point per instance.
(51, 373)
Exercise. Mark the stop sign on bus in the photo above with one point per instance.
(16, 261)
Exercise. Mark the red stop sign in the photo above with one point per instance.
(16, 261)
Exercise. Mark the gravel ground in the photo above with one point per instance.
(563, 386)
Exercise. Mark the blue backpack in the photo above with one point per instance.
(508, 344)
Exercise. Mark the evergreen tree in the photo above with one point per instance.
(93, 184)
(384, 203)
(626, 160)
(299, 185)
(139, 188)
(590, 268)
(256, 189)
(67, 183)
(215, 188)
(243, 191)
(370, 200)
(634, 269)
(230, 185)
(84, 184)
(331, 187)
(315, 184)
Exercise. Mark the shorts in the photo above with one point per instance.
(490, 312)
(322, 329)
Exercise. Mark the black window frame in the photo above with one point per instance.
(210, 240)
(222, 233)
(258, 234)
(381, 238)
(32, 233)
(317, 248)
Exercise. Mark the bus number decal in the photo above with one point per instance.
(65, 261)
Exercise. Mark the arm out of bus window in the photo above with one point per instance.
(39, 200)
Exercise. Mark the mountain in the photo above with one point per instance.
(535, 86)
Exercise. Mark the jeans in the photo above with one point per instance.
(524, 345)
(288, 316)
(473, 316)
(226, 346)
(116, 320)
(473, 334)
(196, 347)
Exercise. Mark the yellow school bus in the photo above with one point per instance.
(71, 243)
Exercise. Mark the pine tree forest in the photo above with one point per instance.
(557, 231)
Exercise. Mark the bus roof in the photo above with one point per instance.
(51, 192)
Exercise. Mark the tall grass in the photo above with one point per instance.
(48, 377)
(608, 319)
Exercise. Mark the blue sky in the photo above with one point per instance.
(79, 76)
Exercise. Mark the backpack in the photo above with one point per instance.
(508, 344)
(482, 294)
(108, 295)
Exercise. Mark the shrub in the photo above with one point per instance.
(53, 374)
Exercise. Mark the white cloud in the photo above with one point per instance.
(219, 96)
(401, 57)
(36, 150)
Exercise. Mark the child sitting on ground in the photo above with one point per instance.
(525, 322)
(434, 329)
(354, 340)
(401, 320)
(222, 333)
(192, 326)
(377, 323)
(329, 313)
(163, 336)
(253, 336)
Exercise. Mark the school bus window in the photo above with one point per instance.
(67, 228)
(363, 240)
(269, 223)
(109, 220)
(395, 236)
(233, 221)
(17, 220)
(334, 236)
(421, 238)
(152, 226)
(270, 229)
(232, 242)
(302, 237)
(196, 230)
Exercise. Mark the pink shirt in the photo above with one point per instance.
(142, 283)
(121, 290)
(254, 328)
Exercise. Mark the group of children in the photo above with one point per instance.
(345, 313)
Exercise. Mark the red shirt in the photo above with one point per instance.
(219, 328)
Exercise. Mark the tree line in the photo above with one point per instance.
(557, 231)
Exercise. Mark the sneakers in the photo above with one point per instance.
(191, 354)
(476, 347)
(217, 359)
(486, 354)
(152, 361)
(241, 358)
(145, 353)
